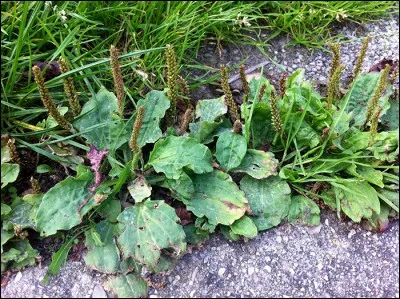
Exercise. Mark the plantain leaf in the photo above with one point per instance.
(173, 154)
(367, 173)
(269, 200)
(303, 210)
(105, 257)
(150, 226)
(357, 199)
(139, 189)
(217, 198)
(155, 105)
(99, 124)
(258, 164)
(63, 205)
(128, 286)
(210, 110)
(244, 227)
(9, 173)
(231, 149)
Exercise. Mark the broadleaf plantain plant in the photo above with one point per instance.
(151, 191)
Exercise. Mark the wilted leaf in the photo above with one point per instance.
(258, 164)
(378, 222)
(150, 226)
(172, 154)
(269, 200)
(304, 211)
(139, 189)
(96, 158)
(128, 286)
(231, 149)
(217, 198)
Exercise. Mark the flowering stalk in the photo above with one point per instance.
(232, 109)
(335, 58)
(185, 121)
(69, 89)
(172, 76)
(35, 185)
(361, 57)
(276, 118)
(133, 144)
(262, 92)
(282, 84)
(47, 99)
(118, 80)
(245, 84)
(237, 126)
(334, 85)
(13, 151)
(378, 92)
(185, 92)
(374, 124)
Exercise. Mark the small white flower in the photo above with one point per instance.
(63, 18)
(245, 22)
(55, 8)
(48, 3)
(63, 13)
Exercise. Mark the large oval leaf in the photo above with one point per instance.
(150, 226)
(155, 104)
(258, 164)
(231, 149)
(218, 198)
(209, 110)
(269, 200)
(174, 153)
(63, 206)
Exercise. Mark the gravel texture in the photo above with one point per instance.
(335, 259)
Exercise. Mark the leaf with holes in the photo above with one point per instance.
(139, 189)
(103, 258)
(217, 198)
(174, 153)
(258, 164)
(269, 200)
(150, 226)
(231, 149)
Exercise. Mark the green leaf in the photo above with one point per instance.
(258, 164)
(367, 173)
(63, 206)
(9, 173)
(357, 199)
(269, 200)
(99, 123)
(378, 222)
(210, 110)
(172, 154)
(262, 129)
(155, 105)
(130, 265)
(5, 210)
(164, 263)
(182, 188)
(5, 236)
(59, 258)
(128, 286)
(203, 224)
(150, 226)
(5, 152)
(244, 227)
(306, 135)
(23, 214)
(43, 168)
(20, 255)
(103, 258)
(391, 118)
(110, 209)
(217, 198)
(253, 86)
(228, 233)
(231, 149)
(295, 79)
(386, 146)
(195, 235)
(139, 189)
(304, 211)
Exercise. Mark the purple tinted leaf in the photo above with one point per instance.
(52, 71)
(96, 157)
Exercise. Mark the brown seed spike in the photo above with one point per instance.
(237, 126)
(69, 89)
(185, 121)
(136, 129)
(232, 109)
(118, 79)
